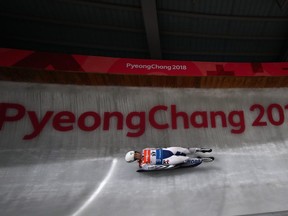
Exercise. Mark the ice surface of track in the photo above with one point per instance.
(85, 174)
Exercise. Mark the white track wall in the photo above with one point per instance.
(81, 99)
(247, 147)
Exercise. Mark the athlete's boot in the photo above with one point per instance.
(203, 150)
(206, 159)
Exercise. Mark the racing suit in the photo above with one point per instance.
(163, 158)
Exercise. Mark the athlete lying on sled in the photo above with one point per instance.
(167, 158)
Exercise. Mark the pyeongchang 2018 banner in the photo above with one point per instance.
(30, 112)
(98, 64)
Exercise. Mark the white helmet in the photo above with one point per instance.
(129, 157)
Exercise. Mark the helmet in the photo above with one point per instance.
(129, 157)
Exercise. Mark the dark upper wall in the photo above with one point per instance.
(206, 30)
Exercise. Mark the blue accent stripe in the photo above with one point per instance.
(180, 154)
(159, 156)
(166, 154)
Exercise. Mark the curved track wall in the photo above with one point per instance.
(61, 153)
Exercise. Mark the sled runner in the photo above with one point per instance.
(193, 162)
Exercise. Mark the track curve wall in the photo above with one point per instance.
(62, 147)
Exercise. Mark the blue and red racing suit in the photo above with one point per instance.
(163, 158)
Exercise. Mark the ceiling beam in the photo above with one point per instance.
(16, 39)
(223, 16)
(138, 30)
(150, 18)
(282, 3)
(222, 36)
(105, 5)
(70, 23)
